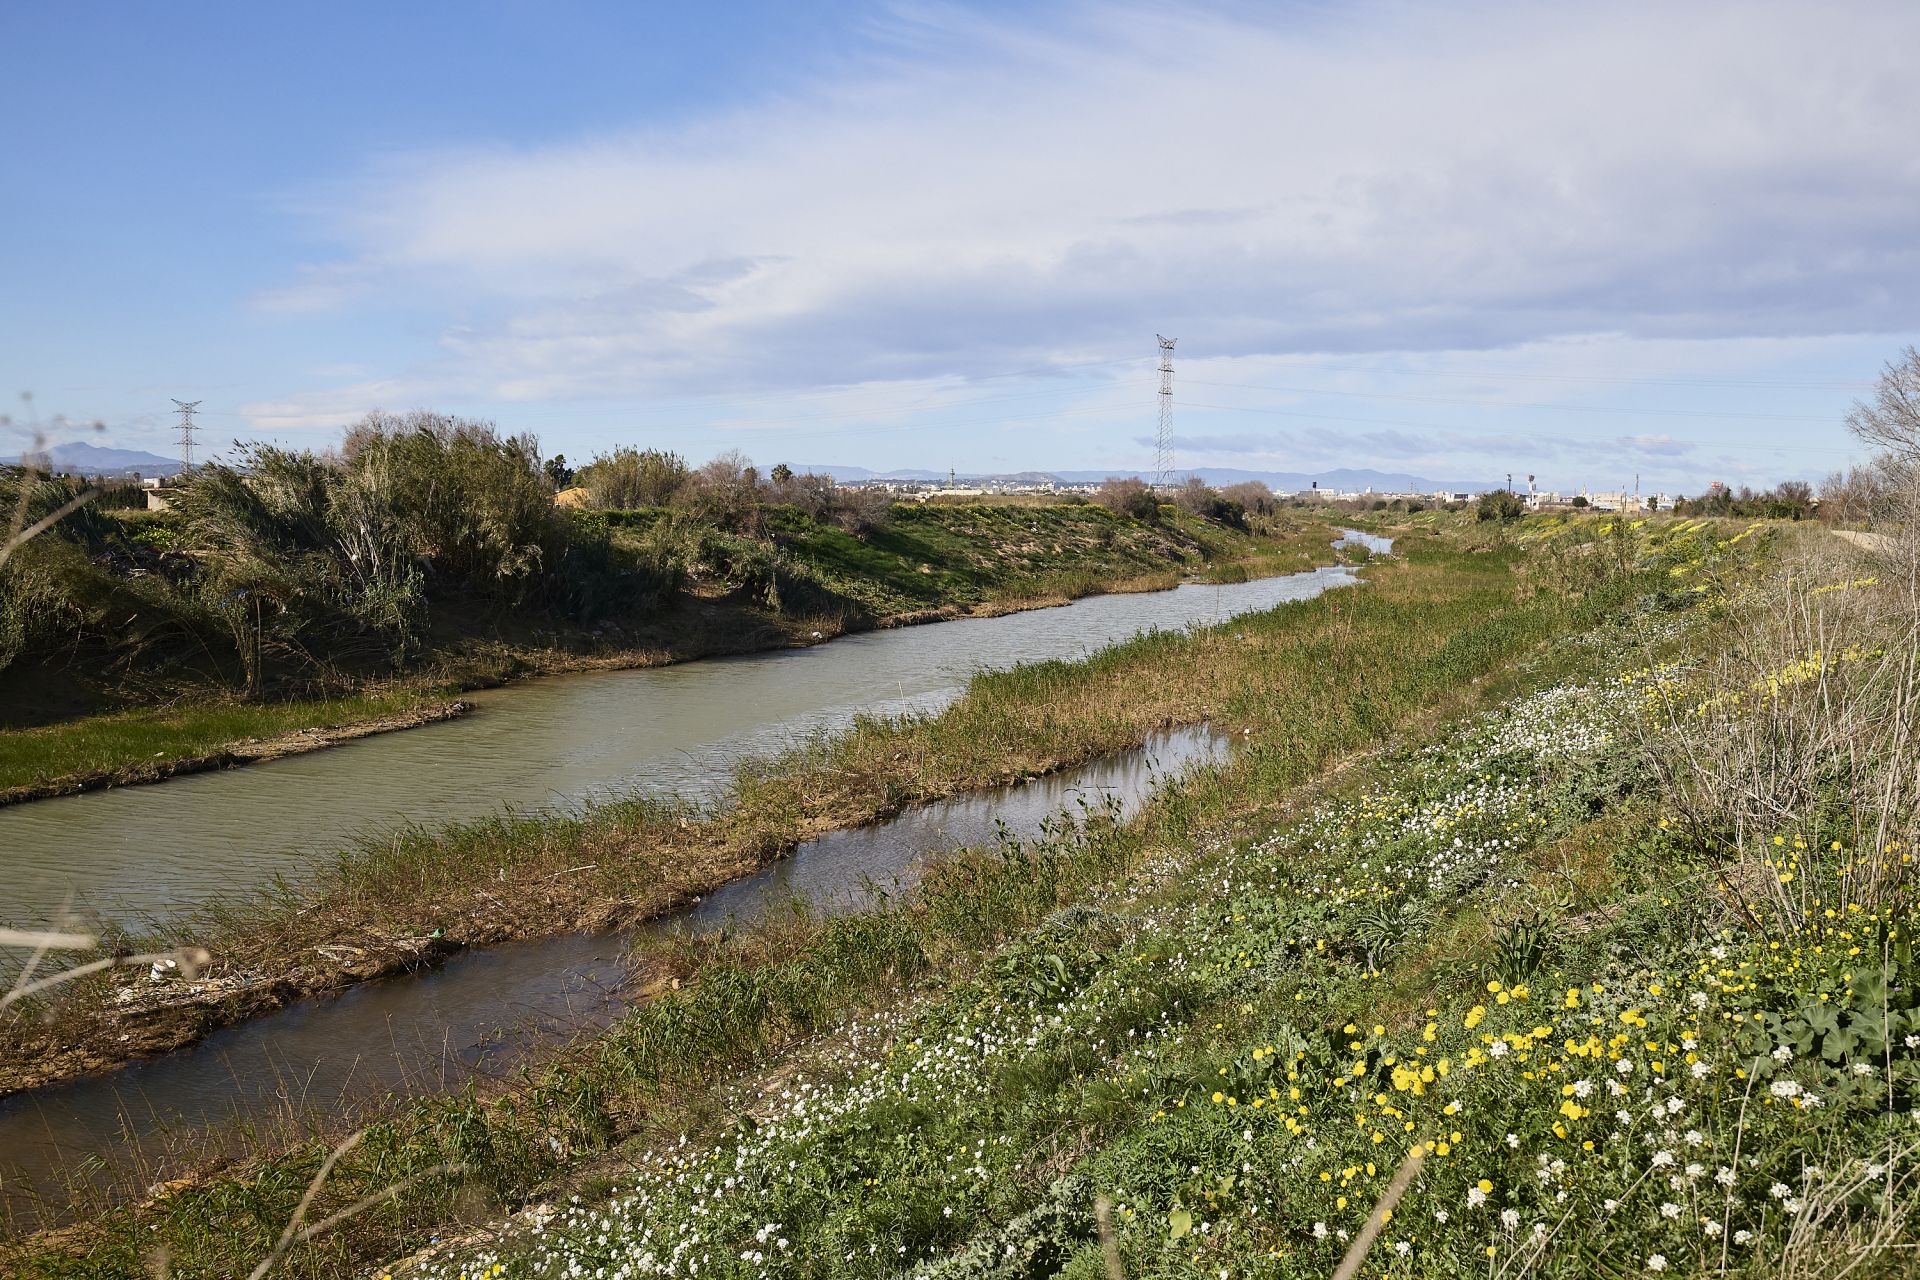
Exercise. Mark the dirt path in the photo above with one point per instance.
(1868, 541)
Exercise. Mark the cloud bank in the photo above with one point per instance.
(974, 198)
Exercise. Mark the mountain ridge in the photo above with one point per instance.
(77, 457)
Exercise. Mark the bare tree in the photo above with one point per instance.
(1891, 421)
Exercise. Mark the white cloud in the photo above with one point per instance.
(335, 406)
(1375, 178)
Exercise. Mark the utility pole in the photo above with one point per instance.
(186, 409)
(1163, 441)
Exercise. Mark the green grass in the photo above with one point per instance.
(1433, 636)
(927, 558)
(931, 555)
(128, 741)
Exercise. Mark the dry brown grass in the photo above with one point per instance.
(1803, 729)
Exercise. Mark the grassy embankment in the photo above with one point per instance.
(1312, 682)
(397, 902)
(1616, 979)
(799, 579)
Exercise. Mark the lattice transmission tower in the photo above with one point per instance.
(1163, 441)
(186, 431)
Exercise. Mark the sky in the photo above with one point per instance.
(1600, 243)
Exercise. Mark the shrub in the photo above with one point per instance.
(1501, 504)
(858, 511)
(629, 477)
(1254, 497)
(726, 492)
(1196, 498)
(1127, 496)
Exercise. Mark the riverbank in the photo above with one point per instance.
(128, 735)
(395, 902)
(131, 748)
(1433, 636)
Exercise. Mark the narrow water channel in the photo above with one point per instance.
(143, 852)
(479, 1012)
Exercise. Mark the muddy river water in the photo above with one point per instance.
(145, 851)
(548, 742)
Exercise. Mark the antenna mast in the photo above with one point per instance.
(186, 409)
(1163, 442)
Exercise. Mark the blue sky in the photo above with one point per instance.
(1588, 242)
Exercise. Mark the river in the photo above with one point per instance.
(302, 1068)
(138, 853)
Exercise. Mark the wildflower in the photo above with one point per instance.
(1510, 1218)
(1319, 1231)
(1657, 1262)
(1742, 1236)
(1669, 1210)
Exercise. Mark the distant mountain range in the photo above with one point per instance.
(82, 459)
(1344, 480)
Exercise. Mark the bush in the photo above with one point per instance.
(726, 492)
(1501, 504)
(858, 511)
(629, 477)
(1255, 498)
(1128, 496)
(1196, 498)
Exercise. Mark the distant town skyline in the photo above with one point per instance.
(1588, 242)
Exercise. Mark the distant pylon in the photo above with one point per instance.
(186, 431)
(1163, 442)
